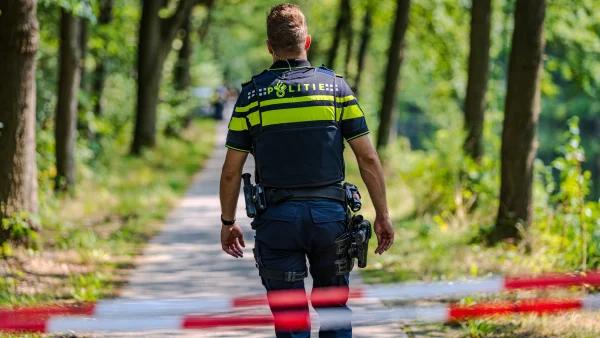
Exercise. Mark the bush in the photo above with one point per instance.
(20, 229)
(567, 225)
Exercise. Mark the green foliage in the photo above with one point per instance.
(477, 328)
(447, 189)
(8, 291)
(10, 295)
(18, 229)
(81, 8)
(567, 221)
(89, 287)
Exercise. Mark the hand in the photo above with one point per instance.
(384, 232)
(231, 239)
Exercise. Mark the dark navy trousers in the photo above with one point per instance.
(289, 232)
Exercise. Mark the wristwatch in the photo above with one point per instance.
(228, 223)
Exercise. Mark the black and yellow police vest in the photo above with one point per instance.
(294, 118)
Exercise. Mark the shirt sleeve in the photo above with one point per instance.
(353, 119)
(238, 135)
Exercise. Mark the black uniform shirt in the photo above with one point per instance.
(305, 105)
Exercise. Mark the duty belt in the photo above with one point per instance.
(299, 194)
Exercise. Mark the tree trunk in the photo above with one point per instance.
(390, 91)
(337, 34)
(156, 36)
(83, 126)
(83, 41)
(181, 77)
(98, 86)
(66, 106)
(362, 52)
(478, 77)
(203, 31)
(349, 38)
(104, 18)
(19, 34)
(522, 110)
(149, 57)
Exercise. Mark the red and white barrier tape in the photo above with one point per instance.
(320, 297)
(299, 320)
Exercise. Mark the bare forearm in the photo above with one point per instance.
(229, 192)
(371, 172)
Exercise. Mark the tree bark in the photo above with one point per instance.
(362, 51)
(477, 83)
(156, 36)
(203, 31)
(181, 77)
(98, 86)
(390, 90)
(66, 106)
(83, 41)
(19, 35)
(349, 38)
(104, 18)
(522, 110)
(337, 34)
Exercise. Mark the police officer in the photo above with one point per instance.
(293, 118)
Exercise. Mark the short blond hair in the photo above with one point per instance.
(286, 29)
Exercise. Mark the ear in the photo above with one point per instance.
(270, 47)
(307, 43)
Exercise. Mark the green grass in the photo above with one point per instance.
(88, 241)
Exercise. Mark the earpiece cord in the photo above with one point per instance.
(282, 59)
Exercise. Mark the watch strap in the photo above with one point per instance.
(228, 223)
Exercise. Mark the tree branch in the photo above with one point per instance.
(206, 23)
(171, 25)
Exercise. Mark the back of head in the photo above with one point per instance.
(286, 29)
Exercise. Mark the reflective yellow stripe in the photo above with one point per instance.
(293, 100)
(298, 99)
(357, 136)
(352, 112)
(238, 124)
(345, 98)
(303, 114)
(246, 108)
(254, 118)
(242, 150)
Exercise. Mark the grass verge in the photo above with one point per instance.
(88, 242)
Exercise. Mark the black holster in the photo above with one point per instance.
(353, 244)
(286, 276)
(254, 196)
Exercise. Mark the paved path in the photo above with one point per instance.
(186, 260)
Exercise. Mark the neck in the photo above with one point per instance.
(302, 56)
